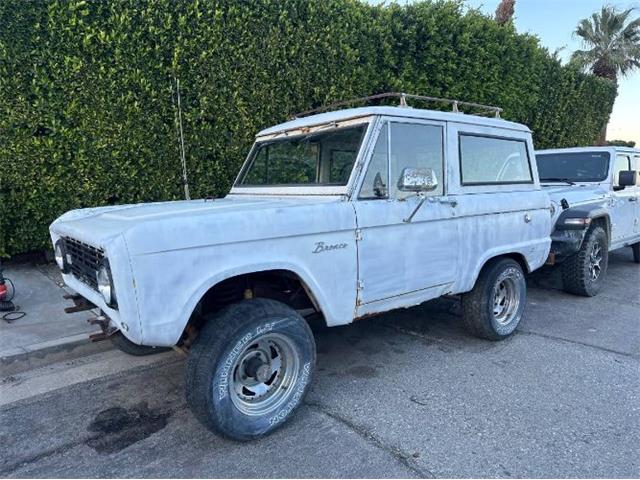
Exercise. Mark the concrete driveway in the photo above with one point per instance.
(407, 394)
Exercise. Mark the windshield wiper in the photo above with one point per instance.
(555, 179)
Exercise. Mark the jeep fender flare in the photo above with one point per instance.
(309, 283)
(572, 226)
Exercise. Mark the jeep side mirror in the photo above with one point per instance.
(417, 180)
(627, 178)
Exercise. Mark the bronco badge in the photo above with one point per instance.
(323, 247)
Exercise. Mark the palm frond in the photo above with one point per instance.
(611, 41)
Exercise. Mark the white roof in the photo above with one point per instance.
(608, 148)
(407, 112)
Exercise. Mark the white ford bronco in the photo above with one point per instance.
(337, 215)
(595, 193)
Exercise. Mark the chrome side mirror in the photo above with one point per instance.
(417, 180)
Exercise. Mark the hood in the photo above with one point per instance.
(163, 226)
(575, 195)
(578, 194)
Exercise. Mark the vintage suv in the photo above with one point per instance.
(338, 215)
(595, 193)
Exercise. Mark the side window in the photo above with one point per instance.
(488, 160)
(417, 146)
(622, 163)
(637, 158)
(376, 181)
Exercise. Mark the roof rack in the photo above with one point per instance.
(484, 109)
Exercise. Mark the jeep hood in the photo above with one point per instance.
(576, 194)
(163, 226)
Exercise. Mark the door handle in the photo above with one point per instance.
(633, 199)
(444, 201)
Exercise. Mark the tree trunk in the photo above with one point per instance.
(601, 71)
(602, 136)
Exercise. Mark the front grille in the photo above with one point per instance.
(84, 261)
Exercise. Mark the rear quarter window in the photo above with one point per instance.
(487, 160)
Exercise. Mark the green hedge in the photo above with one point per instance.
(86, 115)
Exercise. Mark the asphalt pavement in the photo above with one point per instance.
(405, 394)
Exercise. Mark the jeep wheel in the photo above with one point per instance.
(636, 252)
(583, 273)
(250, 368)
(494, 307)
(125, 345)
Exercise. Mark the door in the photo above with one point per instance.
(402, 262)
(623, 206)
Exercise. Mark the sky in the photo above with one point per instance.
(554, 21)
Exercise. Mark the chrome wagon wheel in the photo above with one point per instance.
(263, 374)
(506, 298)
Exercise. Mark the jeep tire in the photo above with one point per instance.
(125, 345)
(583, 273)
(493, 309)
(636, 252)
(250, 368)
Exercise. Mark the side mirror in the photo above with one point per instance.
(627, 178)
(418, 180)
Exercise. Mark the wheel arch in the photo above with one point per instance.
(514, 254)
(247, 277)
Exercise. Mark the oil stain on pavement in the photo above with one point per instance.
(116, 428)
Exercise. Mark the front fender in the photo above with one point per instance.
(572, 226)
(306, 277)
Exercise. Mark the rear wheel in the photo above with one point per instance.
(493, 309)
(583, 273)
(636, 252)
(250, 368)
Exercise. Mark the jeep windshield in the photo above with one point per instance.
(573, 167)
(321, 158)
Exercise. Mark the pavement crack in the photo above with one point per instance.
(413, 333)
(583, 344)
(403, 458)
(6, 470)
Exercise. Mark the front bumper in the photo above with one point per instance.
(565, 243)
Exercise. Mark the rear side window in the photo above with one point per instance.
(488, 160)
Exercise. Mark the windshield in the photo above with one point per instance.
(573, 166)
(319, 158)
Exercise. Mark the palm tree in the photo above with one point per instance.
(611, 43)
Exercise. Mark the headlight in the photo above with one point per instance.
(105, 283)
(60, 254)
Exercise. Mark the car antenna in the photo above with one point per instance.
(178, 121)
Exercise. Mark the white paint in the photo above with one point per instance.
(165, 256)
(623, 206)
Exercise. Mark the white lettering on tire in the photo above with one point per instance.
(284, 413)
(224, 375)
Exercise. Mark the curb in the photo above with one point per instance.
(38, 355)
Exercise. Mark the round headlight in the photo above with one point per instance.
(60, 256)
(105, 283)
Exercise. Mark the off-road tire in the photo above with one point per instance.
(478, 305)
(636, 252)
(125, 345)
(213, 369)
(576, 277)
